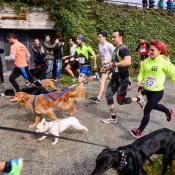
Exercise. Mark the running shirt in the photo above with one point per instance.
(72, 49)
(153, 73)
(119, 53)
(106, 49)
(83, 54)
(20, 53)
(143, 49)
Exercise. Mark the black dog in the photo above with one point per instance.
(39, 71)
(129, 159)
(30, 90)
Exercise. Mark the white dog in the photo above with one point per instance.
(58, 126)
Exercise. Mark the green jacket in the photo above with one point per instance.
(83, 54)
(153, 73)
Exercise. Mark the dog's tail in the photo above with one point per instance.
(78, 94)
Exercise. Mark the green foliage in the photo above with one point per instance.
(74, 16)
(156, 167)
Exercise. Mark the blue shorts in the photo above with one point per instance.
(86, 70)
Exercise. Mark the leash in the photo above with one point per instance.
(128, 89)
(49, 135)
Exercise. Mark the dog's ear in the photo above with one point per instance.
(25, 98)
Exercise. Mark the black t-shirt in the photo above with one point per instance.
(119, 53)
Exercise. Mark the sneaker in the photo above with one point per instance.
(16, 167)
(95, 100)
(111, 120)
(141, 101)
(172, 112)
(73, 79)
(136, 133)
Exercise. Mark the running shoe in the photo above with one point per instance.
(95, 100)
(111, 119)
(172, 112)
(136, 133)
(16, 167)
(141, 101)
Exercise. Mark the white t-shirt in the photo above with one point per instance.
(106, 51)
(72, 49)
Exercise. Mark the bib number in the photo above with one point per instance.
(150, 82)
(142, 50)
(81, 60)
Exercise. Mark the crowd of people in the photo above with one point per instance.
(115, 60)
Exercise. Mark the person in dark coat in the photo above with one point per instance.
(1, 67)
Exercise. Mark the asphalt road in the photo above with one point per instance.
(73, 157)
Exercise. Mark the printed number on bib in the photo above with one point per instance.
(150, 82)
(81, 60)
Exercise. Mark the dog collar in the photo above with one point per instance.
(123, 160)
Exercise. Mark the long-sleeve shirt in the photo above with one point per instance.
(153, 72)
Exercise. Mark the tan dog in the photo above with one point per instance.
(48, 83)
(44, 104)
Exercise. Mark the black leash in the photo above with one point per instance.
(49, 135)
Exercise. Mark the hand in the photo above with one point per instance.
(72, 59)
(57, 41)
(139, 83)
(66, 61)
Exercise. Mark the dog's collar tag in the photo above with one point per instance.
(123, 161)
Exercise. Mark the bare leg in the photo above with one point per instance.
(102, 85)
(69, 71)
(2, 166)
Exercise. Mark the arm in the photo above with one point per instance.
(12, 54)
(27, 55)
(124, 63)
(141, 75)
(46, 45)
(91, 51)
(169, 69)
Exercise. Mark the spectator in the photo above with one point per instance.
(49, 55)
(151, 3)
(70, 63)
(160, 4)
(143, 48)
(38, 52)
(145, 3)
(58, 54)
(169, 4)
(1, 67)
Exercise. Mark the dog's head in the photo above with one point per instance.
(8, 93)
(19, 97)
(108, 158)
(43, 126)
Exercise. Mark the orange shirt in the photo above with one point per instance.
(20, 52)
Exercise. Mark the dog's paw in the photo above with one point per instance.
(54, 143)
(32, 126)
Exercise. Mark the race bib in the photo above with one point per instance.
(150, 82)
(142, 50)
(115, 69)
(81, 60)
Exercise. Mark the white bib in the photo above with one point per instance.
(150, 82)
(81, 60)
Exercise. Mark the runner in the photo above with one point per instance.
(69, 61)
(153, 72)
(120, 76)
(21, 56)
(83, 54)
(105, 52)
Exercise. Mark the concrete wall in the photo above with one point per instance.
(34, 18)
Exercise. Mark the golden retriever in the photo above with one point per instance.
(44, 104)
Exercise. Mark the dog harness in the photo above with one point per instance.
(57, 94)
(33, 102)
